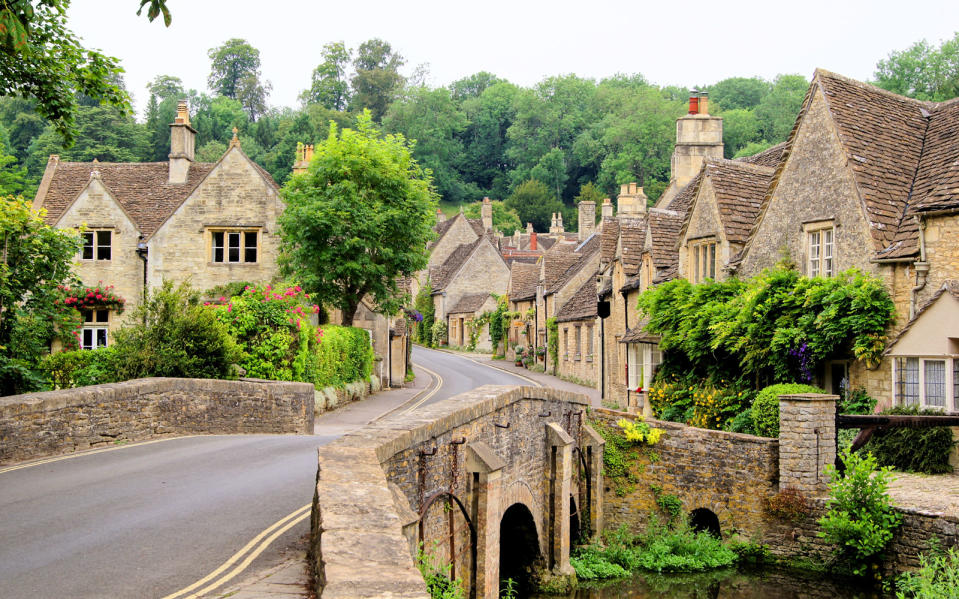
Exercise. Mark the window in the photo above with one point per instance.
(702, 261)
(589, 342)
(579, 341)
(643, 360)
(820, 248)
(97, 245)
(927, 382)
(95, 326)
(566, 343)
(234, 246)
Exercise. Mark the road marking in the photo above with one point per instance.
(497, 368)
(438, 385)
(255, 547)
(86, 453)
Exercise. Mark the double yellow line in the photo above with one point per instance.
(437, 385)
(247, 554)
(81, 454)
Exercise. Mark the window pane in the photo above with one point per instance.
(814, 254)
(87, 246)
(88, 316)
(827, 252)
(218, 246)
(935, 382)
(103, 245)
(101, 337)
(695, 264)
(907, 381)
(234, 249)
(87, 342)
(712, 260)
(955, 383)
(103, 315)
(249, 243)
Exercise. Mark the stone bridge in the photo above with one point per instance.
(497, 482)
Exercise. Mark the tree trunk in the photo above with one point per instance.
(348, 313)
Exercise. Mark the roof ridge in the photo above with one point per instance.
(873, 88)
(749, 166)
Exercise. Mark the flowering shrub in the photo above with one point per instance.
(91, 298)
(765, 409)
(637, 431)
(699, 404)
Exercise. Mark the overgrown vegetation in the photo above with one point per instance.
(860, 519)
(788, 504)
(424, 305)
(439, 583)
(937, 577)
(705, 405)
(765, 408)
(924, 450)
(622, 455)
(552, 342)
(774, 328)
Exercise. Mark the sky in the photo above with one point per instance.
(674, 42)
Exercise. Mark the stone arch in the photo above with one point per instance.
(718, 505)
(520, 492)
(706, 520)
(519, 549)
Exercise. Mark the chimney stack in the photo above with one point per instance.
(304, 153)
(440, 217)
(587, 219)
(529, 228)
(631, 202)
(532, 242)
(704, 103)
(182, 144)
(693, 101)
(486, 211)
(607, 208)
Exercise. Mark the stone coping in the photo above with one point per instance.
(358, 547)
(688, 429)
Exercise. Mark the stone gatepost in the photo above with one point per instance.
(807, 441)
(593, 447)
(560, 446)
(485, 470)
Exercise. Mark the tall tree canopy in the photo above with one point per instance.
(376, 81)
(235, 73)
(358, 219)
(330, 87)
(922, 71)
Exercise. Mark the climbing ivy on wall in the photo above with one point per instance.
(776, 327)
(552, 343)
(424, 305)
(497, 322)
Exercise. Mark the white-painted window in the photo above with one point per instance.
(97, 245)
(95, 331)
(928, 382)
(643, 361)
(820, 251)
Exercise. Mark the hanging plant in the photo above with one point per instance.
(92, 298)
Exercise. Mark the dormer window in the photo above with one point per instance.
(97, 245)
(234, 246)
(820, 249)
(702, 260)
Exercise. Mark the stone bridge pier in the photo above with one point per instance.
(496, 483)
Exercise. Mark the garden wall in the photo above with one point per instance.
(53, 422)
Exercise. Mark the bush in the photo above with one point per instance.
(80, 368)
(344, 355)
(765, 409)
(700, 404)
(177, 337)
(439, 333)
(937, 578)
(923, 450)
(742, 423)
(860, 519)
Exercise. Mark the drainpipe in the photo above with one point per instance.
(536, 329)
(602, 359)
(143, 253)
(626, 313)
(922, 269)
(389, 357)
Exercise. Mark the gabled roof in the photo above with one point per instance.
(664, 227)
(951, 287)
(523, 280)
(442, 228)
(581, 306)
(441, 275)
(469, 304)
(141, 188)
(632, 234)
(585, 253)
(937, 182)
(554, 265)
(739, 188)
(610, 238)
(770, 157)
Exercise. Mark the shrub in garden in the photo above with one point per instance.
(923, 450)
(860, 519)
(80, 368)
(699, 404)
(765, 409)
(343, 356)
(937, 578)
(175, 336)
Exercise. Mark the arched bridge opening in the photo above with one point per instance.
(519, 549)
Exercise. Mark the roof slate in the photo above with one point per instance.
(610, 238)
(581, 306)
(739, 189)
(632, 232)
(555, 264)
(664, 228)
(441, 276)
(469, 303)
(523, 281)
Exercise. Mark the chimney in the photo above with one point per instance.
(532, 241)
(440, 217)
(486, 211)
(704, 103)
(693, 102)
(559, 223)
(607, 208)
(631, 202)
(529, 227)
(587, 219)
(182, 144)
(304, 153)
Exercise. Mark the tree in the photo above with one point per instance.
(13, 178)
(34, 260)
(505, 219)
(473, 86)
(235, 73)
(330, 87)
(740, 128)
(739, 92)
(534, 203)
(778, 110)
(922, 71)
(358, 219)
(41, 58)
(485, 140)
(377, 79)
(165, 92)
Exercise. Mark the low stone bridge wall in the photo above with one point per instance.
(460, 476)
(52, 422)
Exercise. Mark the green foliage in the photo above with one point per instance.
(36, 260)
(552, 342)
(344, 355)
(922, 71)
(765, 409)
(80, 368)
(856, 401)
(860, 519)
(639, 432)
(424, 305)
(738, 93)
(742, 423)
(498, 324)
(534, 203)
(698, 403)
(775, 327)
(376, 79)
(440, 333)
(505, 220)
(329, 87)
(175, 336)
(235, 73)
(623, 452)
(590, 563)
(788, 504)
(671, 505)
(358, 219)
(439, 583)
(272, 330)
(937, 578)
(510, 589)
(923, 450)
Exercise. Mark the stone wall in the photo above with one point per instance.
(490, 447)
(53, 422)
(583, 364)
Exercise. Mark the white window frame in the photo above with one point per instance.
(951, 391)
(96, 328)
(820, 245)
(241, 245)
(642, 361)
(702, 260)
(96, 246)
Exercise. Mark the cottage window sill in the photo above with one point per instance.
(589, 358)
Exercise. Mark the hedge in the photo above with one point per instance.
(343, 355)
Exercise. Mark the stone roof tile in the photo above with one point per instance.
(523, 281)
(581, 306)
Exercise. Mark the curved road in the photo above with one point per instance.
(151, 519)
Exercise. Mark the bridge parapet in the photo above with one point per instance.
(447, 476)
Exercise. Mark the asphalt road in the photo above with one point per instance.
(148, 520)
